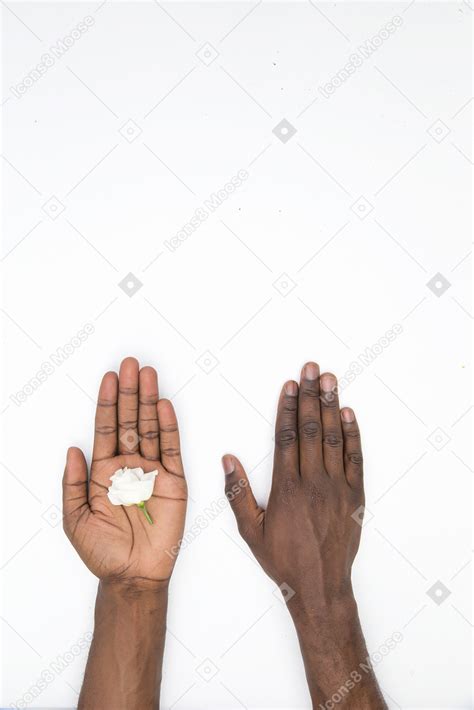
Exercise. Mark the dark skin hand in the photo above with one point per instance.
(131, 558)
(306, 539)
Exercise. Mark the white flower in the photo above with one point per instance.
(131, 486)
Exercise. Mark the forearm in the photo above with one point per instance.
(335, 656)
(123, 670)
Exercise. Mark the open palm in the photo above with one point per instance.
(133, 428)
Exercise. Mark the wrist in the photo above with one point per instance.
(334, 651)
(134, 587)
(323, 609)
(124, 666)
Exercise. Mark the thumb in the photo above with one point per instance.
(74, 485)
(239, 493)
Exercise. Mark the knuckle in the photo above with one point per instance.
(311, 392)
(311, 429)
(333, 440)
(246, 530)
(128, 390)
(149, 435)
(288, 492)
(148, 399)
(317, 494)
(329, 400)
(105, 430)
(235, 489)
(286, 437)
(170, 451)
(290, 404)
(356, 459)
(235, 494)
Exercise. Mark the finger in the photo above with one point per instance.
(331, 422)
(105, 436)
(148, 414)
(170, 450)
(286, 434)
(353, 462)
(309, 421)
(128, 406)
(74, 487)
(248, 514)
(286, 458)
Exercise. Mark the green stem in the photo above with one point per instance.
(145, 512)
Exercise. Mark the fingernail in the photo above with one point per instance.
(291, 389)
(347, 415)
(228, 465)
(310, 371)
(328, 383)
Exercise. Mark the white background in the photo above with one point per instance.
(292, 221)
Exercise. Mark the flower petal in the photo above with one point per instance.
(131, 486)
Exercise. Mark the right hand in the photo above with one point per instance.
(133, 428)
(306, 537)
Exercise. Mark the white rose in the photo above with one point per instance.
(131, 486)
